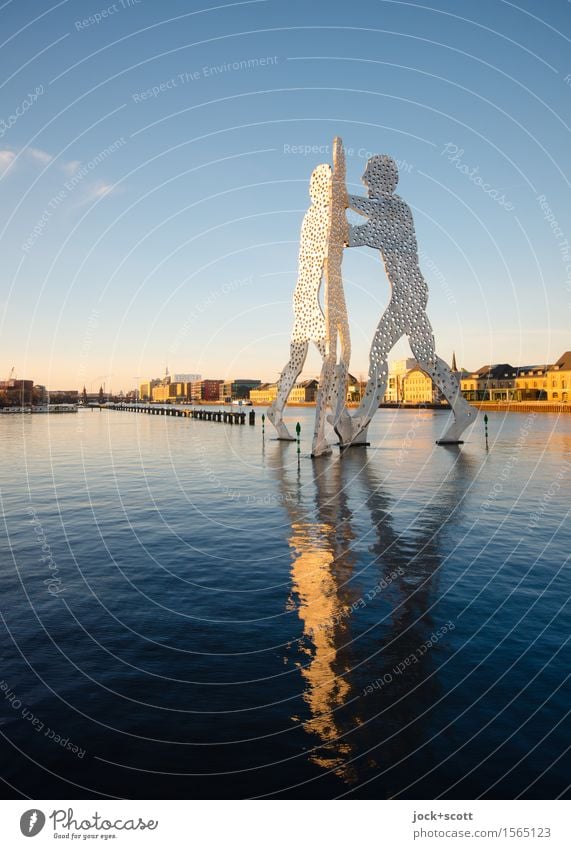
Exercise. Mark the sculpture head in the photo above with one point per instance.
(381, 175)
(320, 184)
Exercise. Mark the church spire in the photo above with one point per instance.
(454, 366)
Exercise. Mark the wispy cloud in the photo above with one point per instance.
(31, 154)
(102, 189)
(99, 190)
(6, 159)
(34, 155)
(71, 167)
(39, 156)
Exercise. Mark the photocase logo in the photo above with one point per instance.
(32, 822)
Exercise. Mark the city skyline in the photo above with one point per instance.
(402, 365)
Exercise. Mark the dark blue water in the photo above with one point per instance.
(190, 613)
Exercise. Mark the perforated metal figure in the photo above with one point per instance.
(323, 234)
(390, 229)
(333, 378)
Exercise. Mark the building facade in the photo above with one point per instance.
(531, 383)
(355, 388)
(394, 393)
(211, 390)
(16, 393)
(146, 388)
(490, 383)
(238, 389)
(418, 388)
(559, 379)
(304, 392)
(265, 393)
(168, 391)
(504, 382)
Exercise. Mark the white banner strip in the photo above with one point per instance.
(285, 824)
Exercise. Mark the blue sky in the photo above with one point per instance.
(152, 195)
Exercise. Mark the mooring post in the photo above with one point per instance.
(252, 418)
(263, 425)
(298, 431)
(486, 429)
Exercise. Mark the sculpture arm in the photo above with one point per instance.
(364, 206)
(358, 236)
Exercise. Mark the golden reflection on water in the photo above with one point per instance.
(322, 565)
(320, 608)
(324, 562)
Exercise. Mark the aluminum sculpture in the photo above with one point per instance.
(333, 379)
(324, 234)
(390, 228)
(322, 240)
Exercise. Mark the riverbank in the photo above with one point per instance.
(521, 407)
(484, 406)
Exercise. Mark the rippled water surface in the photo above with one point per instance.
(188, 611)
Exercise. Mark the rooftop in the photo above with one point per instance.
(564, 362)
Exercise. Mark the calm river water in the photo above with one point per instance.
(189, 612)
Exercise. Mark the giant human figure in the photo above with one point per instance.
(390, 229)
(323, 234)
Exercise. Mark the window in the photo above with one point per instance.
(555, 396)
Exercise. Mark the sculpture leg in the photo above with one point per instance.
(298, 353)
(422, 346)
(320, 445)
(340, 418)
(352, 430)
(341, 371)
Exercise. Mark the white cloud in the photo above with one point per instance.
(90, 191)
(71, 167)
(103, 189)
(6, 159)
(99, 190)
(39, 155)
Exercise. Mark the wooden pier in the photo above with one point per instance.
(231, 417)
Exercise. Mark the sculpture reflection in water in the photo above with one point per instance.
(353, 636)
(322, 568)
